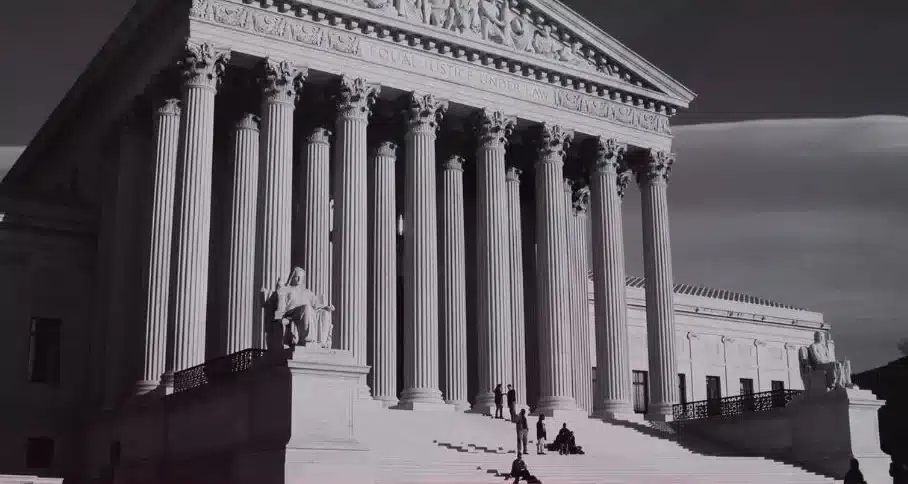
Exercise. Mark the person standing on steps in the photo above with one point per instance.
(498, 409)
(522, 429)
(540, 435)
(512, 403)
(854, 475)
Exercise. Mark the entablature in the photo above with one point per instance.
(354, 29)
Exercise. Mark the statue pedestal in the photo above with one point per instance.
(828, 428)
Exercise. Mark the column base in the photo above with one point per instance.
(459, 405)
(386, 402)
(146, 386)
(423, 399)
(660, 413)
(617, 411)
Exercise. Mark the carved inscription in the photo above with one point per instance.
(331, 39)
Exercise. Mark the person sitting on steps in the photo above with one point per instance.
(564, 443)
(519, 471)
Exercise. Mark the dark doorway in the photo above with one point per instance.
(713, 395)
(641, 392)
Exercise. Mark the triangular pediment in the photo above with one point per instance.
(545, 30)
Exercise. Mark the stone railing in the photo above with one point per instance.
(216, 370)
(735, 405)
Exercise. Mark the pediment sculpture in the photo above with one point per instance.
(296, 316)
(820, 371)
(497, 21)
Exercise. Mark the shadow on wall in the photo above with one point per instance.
(888, 383)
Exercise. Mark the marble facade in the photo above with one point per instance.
(414, 163)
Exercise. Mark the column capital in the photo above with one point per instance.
(248, 121)
(356, 97)
(203, 65)
(454, 162)
(387, 149)
(493, 128)
(170, 107)
(759, 343)
(513, 175)
(554, 142)
(692, 336)
(319, 135)
(727, 340)
(581, 199)
(654, 166)
(281, 82)
(611, 158)
(568, 186)
(425, 111)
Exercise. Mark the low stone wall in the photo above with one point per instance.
(11, 479)
(820, 432)
(255, 428)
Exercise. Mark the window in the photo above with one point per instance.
(713, 395)
(747, 391)
(641, 392)
(778, 393)
(39, 453)
(44, 351)
(747, 386)
(682, 388)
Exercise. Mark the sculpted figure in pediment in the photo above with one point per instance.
(495, 21)
(464, 17)
(523, 31)
(437, 13)
(384, 6)
(410, 9)
(544, 44)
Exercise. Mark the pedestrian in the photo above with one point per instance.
(498, 404)
(854, 475)
(512, 403)
(540, 435)
(522, 429)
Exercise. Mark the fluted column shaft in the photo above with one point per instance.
(421, 255)
(315, 211)
(556, 385)
(203, 68)
(652, 175)
(350, 225)
(383, 275)
(167, 144)
(518, 325)
(280, 84)
(570, 293)
(242, 291)
(609, 176)
(495, 338)
(583, 370)
(453, 286)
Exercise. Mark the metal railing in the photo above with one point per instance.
(736, 405)
(216, 370)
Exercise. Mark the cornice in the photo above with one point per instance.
(577, 90)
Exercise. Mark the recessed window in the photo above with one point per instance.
(641, 391)
(44, 351)
(39, 453)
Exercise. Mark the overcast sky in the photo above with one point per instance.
(809, 212)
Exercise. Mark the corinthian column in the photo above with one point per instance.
(515, 239)
(315, 210)
(242, 294)
(203, 67)
(556, 385)
(453, 287)
(383, 277)
(281, 84)
(355, 99)
(652, 175)
(167, 137)
(495, 338)
(583, 381)
(570, 291)
(609, 177)
(421, 257)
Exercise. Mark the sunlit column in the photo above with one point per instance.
(515, 249)
(453, 287)
(203, 68)
(315, 210)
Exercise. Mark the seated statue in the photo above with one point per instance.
(296, 316)
(819, 367)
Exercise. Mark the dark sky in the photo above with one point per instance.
(746, 59)
(809, 212)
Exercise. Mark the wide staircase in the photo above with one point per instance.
(453, 448)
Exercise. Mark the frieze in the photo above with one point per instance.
(387, 53)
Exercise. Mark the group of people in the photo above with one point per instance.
(897, 469)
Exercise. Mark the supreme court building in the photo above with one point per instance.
(448, 173)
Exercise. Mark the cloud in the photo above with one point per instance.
(806, 212)
(8, 156)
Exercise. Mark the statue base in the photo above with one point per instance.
(828, 428)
